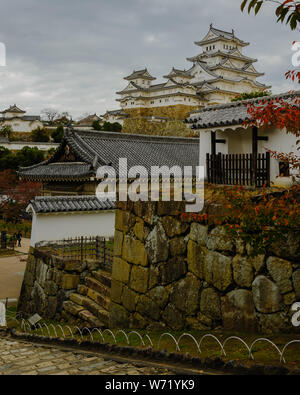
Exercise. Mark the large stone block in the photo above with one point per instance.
(137, 321)
(129, 299)
(90, 318)
(70, 281)
(77, 298)
(118, 317)
(51, 307)
(173, 226)
(172, 270)
(195, 324)
(124, 220)
(296, 283)
(145, 210)
(118, 243)
(148, 308)
(173, 318)
(199, 233)
(238, 311)
(120, 270)
(288, 247)
(72, 307)
(178, 246)
(41, 272)
(185, 294)
(139, 279)
(266, 295)
(154, 276)
(141, 231)
(217, 270)
(160, 296)
(75, 266)
(134, 251)
(39, 298)
(210, 304)
(195, 258)
(281, 272)
(274, 323)
(220, 240)
(116, 291)
(242, 271)
(157, 245)
(51, 288)
(258, 262)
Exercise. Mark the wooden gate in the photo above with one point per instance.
(239, 169)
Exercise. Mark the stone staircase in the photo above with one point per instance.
(89, 305)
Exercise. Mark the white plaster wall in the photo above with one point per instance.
(51, 227)
(18, 125)
(205, 147)
(240, 142)
(17, 146)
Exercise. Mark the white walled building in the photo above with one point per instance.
(15, 118)
(224, 133)
(218, 74)
(61, 217)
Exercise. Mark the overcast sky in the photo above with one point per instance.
(72, 55)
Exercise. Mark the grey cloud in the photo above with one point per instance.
(72, 54)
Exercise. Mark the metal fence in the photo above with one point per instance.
(8, 244)
(87, 248)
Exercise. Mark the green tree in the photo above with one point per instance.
(26, 157)
(116, 127)
(40, 135)
(29, 156)
(6, 131)
(112, 127)
(286, 10)
(96, 125)
(58, 134)
(252, 95)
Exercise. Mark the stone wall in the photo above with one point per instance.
(169, 128)
(48, 282)
(176, 112)
(182, 275)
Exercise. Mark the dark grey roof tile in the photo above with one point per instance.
(57, 204)
(234, 113)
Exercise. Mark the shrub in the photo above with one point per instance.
(58, 134)
(252, 95)
(40, 135)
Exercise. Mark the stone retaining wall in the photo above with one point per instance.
(48, 282)
(182, 275)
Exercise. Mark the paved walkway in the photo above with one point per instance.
(20, 358)
(12, 272)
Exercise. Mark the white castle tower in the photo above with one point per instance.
(218, 74)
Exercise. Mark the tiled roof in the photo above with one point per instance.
(57, 171)
(28, 118)
(14, 108)
(181, 73)
(140, 74)
(96, 149)
(89, 120)
(222, 34)
(59, 204)
(234, 113)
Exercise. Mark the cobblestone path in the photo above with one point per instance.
(19, 358)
